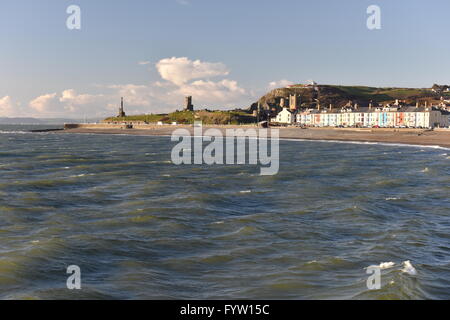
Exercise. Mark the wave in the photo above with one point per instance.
(407, 267)
(389, 144)
(241, 232)
(384, 265)
(24, 132)
(13, 132)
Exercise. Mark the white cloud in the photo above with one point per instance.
(280, 84)
(68, 103)
(7, 107)
(45, 104)
(179, 74)
(143, 63)
(181, 70)
(81, 104)
(136, 95)
(225, 92)
(70, 96)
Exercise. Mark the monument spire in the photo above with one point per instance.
(121, 112)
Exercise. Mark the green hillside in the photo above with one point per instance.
(383, 94)
(188, 117)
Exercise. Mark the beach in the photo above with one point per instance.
(438, 137)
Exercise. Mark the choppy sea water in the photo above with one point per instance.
(140, 227)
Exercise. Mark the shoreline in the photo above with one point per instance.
(413, 137)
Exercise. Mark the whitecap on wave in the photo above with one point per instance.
(384, 265)
(13, 132)
(407, 267)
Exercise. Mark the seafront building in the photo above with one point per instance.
(383, 117)
(285, 116)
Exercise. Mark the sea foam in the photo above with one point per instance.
(409, 268)
(384, 265)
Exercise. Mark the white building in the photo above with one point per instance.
(284, 117)
(408, 117)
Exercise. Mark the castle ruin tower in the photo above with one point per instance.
(293, 102)
(188, 106)
(121, 112)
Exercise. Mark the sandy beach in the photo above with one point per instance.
(403, 136)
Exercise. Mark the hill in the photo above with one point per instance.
(339, 96)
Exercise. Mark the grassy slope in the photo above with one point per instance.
(384, 94)
(188, 117)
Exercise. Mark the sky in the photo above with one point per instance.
(226, 54)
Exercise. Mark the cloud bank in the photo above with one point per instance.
(7, 108)
(207, 82)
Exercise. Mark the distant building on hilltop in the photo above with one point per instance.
(121, 111)
(188, 106)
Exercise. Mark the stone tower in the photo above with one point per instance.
(293, 102)
(188, 106)
(121, 112)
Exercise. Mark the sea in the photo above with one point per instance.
(140, 227)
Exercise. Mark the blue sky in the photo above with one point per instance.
(225, 53)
